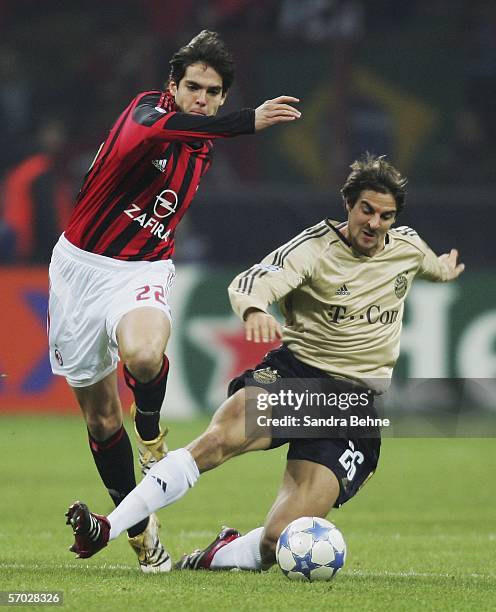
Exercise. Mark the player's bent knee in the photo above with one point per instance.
(144, 363)
(101, 427)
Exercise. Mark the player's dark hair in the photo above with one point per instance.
(377, 174)
(208, 49)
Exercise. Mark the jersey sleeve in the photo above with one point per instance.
(282, 271)
(150, 123)
(431, 268)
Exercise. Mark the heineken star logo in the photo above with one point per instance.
(223, 340)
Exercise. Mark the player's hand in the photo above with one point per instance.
(449, 261)
(275, 111)
(262, 327)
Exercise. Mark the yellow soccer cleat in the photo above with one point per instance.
(150, 451)
(152, 556)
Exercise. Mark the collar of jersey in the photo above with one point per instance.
(336, 229)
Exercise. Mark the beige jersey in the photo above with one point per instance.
(343, 310)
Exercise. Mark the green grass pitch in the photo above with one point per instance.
(421, 535)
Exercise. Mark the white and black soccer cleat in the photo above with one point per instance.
(152, 556)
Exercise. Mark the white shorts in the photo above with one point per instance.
(89, 294)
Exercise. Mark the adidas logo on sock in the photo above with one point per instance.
(343, 290)
(161, 483)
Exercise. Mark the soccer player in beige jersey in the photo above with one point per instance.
(341, 288)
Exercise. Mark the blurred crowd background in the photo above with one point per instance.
(413, 80)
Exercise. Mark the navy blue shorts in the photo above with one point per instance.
(352, 460)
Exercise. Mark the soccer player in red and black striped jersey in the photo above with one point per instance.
(111, 271)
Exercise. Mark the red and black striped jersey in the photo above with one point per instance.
(144, 177)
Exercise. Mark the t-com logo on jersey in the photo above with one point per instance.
(373, 314)
(165, 205)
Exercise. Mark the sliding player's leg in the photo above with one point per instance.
(320, 473)
(169, 479)
(308, 489)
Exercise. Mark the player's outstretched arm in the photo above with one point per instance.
(449, 261)
(278, 110)
(261, 327)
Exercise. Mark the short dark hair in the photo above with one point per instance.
(377, 174)
(206, 48)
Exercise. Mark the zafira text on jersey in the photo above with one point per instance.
(154, 227)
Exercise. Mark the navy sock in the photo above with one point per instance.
(114, 461)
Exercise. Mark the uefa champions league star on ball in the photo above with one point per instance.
(111, 271)
(341, 287)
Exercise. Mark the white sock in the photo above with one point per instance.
(165, 483)
(244, 553)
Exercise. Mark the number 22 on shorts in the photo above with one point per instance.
(147, 292)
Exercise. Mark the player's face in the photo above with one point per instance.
(369, 220)
(199, 91)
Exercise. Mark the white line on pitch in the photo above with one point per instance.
(413, 574)
(351, 572)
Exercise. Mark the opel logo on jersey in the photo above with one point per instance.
(165, 204)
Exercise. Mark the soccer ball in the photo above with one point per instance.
(311, 548)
